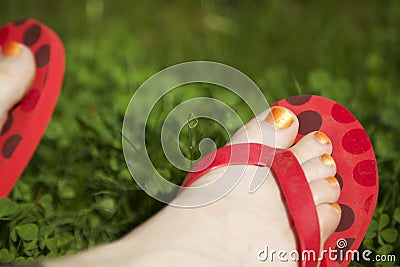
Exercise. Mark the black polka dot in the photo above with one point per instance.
(342, 246)
(8, 124)
(32, 34)
(45, 78)
(42, 56)
(298, 100)
(309, 121)
(10, 145)
(340, 180)
(19, 22)
(347, 218)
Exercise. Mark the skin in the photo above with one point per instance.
(16, 74)
(228, 232)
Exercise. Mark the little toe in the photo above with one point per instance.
(312, 145)
(275, 127)
(325, 190)
(319, 167)
(329, 217)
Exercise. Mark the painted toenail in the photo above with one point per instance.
(332, 180)
(336, 207)
(327, 160)
(322, 138)
(12, 49)
(280, 118)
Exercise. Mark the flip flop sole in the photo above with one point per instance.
(356, 168)
(27, 121)
(356, 173)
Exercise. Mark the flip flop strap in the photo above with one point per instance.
(292, 181)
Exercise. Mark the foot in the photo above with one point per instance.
(232, 231)
(17, 70)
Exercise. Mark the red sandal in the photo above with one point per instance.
(27, 121)
(356, 172)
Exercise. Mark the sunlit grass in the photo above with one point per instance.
(77, 192)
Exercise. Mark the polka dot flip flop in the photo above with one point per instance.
(27, 121)
(356, 173)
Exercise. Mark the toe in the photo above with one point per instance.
(17, 69)
(275, 127)
(313, 153)
(319, 167)
(329, 217)
(312, 145)
(325, 190)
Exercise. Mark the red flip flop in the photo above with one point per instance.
(27, 121)
(356, 173)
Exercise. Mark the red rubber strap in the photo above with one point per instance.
(292, 181)
(300, 202)
(238, 154)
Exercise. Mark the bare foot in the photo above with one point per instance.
(231, 231)
(17, 71)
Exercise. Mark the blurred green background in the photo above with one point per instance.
(77, 193)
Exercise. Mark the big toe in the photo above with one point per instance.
(275, 127)
(17, 70)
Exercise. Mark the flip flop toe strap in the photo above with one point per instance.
(300, 203)
(292, 181)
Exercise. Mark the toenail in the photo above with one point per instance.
(332, 180)
(327, 160)
(12, 49)
(322, 138)
(280, 118)
(336, 207)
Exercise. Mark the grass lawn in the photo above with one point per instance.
(77, 192)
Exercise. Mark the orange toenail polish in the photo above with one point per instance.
(280, 118)
(336, 207)
(327, 160)
(12, 49)
(322, 138)
(332, 180)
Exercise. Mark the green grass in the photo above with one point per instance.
(77, 193)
